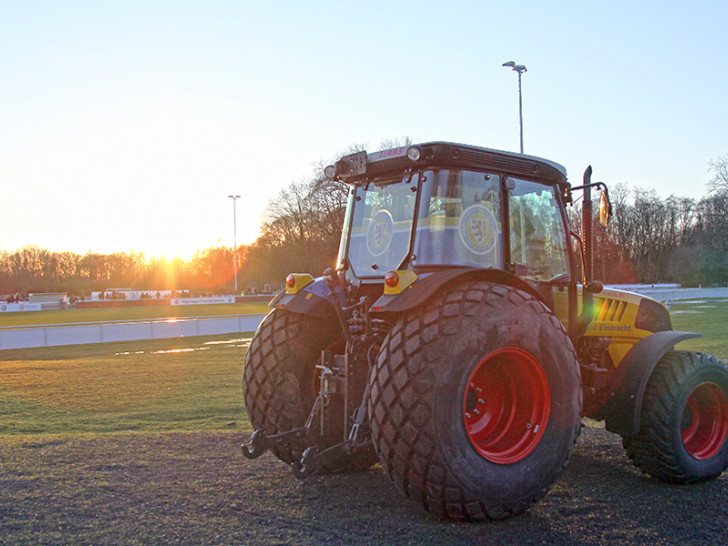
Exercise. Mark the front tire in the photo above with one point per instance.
(683, 436)
(475, 402)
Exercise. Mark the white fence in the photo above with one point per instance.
(19, 307)
(53, 335)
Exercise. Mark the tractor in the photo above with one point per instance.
(461, 338)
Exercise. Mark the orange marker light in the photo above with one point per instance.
(295, 282)
(391, 279)
(397, 281)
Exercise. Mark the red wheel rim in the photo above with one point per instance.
(506, 406)
(704, 421)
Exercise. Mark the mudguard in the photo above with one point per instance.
(314, 299)
(429, 283)
(623, 409)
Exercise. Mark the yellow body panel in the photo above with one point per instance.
(615, 315)
(302, 281)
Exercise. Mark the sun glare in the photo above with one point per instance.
(169, 255)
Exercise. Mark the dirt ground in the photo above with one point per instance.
(195, 488)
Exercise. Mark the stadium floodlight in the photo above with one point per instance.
(520, 68)
(235, 243)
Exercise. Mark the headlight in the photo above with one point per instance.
(653, 317)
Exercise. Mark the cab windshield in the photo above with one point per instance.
(459, 219)
(381, 225)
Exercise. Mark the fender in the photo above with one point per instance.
(624, 407)
(314, 299)
(427, 284)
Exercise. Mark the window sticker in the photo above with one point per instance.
(478, 229)
(379, 233)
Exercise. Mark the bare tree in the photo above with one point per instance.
(719, 168)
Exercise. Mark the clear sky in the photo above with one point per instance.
(124, 125)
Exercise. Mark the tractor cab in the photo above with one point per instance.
(441, 207)
(440, 218)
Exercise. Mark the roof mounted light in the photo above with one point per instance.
(413, 152)
(330, 172)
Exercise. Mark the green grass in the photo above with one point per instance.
(710, 318)
(159, 385)
(33, 318)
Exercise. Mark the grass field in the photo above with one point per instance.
(182, 384)
(157, 385)
(708, 317)
(69, 316)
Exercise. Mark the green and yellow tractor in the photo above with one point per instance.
(460, 339)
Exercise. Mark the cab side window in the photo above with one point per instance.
(538, 239)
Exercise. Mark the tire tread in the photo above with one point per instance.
(400, 417)
(653, 450)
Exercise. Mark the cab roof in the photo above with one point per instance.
(362, 166)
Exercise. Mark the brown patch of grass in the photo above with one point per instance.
(195, 488)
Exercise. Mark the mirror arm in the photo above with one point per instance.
(600, 185)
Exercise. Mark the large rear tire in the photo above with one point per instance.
(279, 381)
(475, 402)
(683, 436)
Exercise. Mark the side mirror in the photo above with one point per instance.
(593, 287)
(605, 209)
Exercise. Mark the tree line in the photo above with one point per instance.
(650, 240)
(654, 240)
(32, 269)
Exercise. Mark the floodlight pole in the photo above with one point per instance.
(520, 69)
(235, 242)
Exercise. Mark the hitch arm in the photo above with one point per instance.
(314, 460)
(260, 442)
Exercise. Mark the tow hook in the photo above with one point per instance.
(257, 445)
(309, 464)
